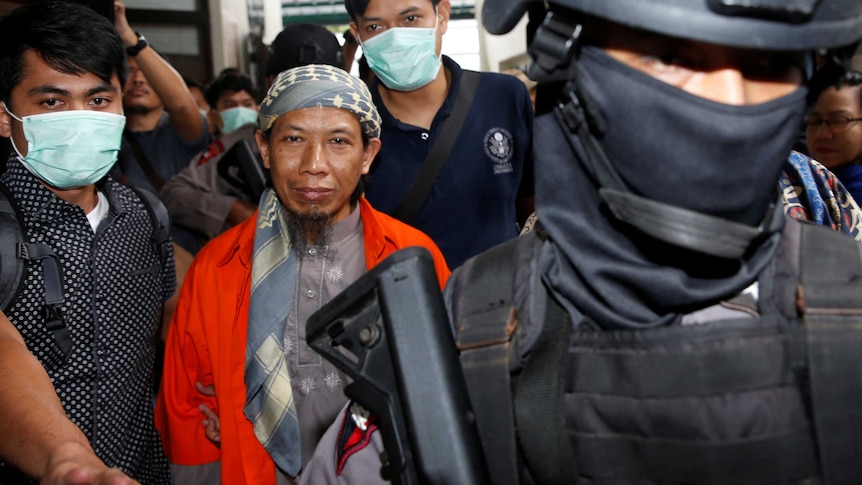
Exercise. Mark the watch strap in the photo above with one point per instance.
(137, 48)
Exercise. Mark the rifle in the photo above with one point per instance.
(389, 332)
(245, 155)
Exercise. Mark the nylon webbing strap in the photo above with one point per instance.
(11, 269)
(539, 403)
(831, 302)
(485, 328)
(161, 220)
(53, 276)
(439, 151)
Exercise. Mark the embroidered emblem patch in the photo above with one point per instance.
(498, 146)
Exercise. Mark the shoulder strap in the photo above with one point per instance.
(14, 251)
(440, 149)
(11, 235)
(486, 319)
(830, 302)
(539, 405)
(155, 179)
(160, 218)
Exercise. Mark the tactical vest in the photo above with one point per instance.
(773, 398)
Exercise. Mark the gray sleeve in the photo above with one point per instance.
(209, 474)
(196, 199)
(361, 467)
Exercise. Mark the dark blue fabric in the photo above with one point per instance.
(167, 152)
(472, 204)
(851, 177)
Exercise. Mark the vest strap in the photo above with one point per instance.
(485, 339)
(539, 403)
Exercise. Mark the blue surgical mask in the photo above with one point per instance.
(234, 118)
(404, 58)
(69, 149)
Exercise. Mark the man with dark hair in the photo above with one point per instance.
(90, 300)
(467, 187)
(240, 323)
(164, 128)
(211, 195)
(302, 44)
(234, 98)
(666, 322)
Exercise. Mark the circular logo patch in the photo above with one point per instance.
(498, 146)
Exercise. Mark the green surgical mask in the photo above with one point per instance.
(69, 149)
(234, 118)
(404, 58)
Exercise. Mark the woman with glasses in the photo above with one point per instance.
(834, 126)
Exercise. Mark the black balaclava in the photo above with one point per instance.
(669, 146)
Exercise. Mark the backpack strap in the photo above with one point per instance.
(486, 318)
(439, 152)
(11, 266)
(160, 218)
(539, 404)
(830, 301)
(14, 251)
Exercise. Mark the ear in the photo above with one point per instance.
(5, 123)
(354, 31)
(371, 151)
(263, 145)
(444, 10)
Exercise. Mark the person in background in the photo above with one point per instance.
(302, 44)
(200, 198)
(62, 69)
(348, 49)
(237, 342)
(197, 90)
(484, 187)
(165, 128)
(834, 126)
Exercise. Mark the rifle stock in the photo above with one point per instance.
(389, 332)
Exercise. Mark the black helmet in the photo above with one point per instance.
(756, 24)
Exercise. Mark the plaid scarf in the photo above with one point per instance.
(269, 395)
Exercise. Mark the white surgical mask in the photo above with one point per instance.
(234, 118)
(404, 58)
(69, 149)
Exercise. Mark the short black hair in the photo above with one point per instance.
(833, 76)
(358, 7)
(191, 83)
(229, 80)
(69, 37)
(302, 44)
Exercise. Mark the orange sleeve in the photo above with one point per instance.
(439, 264)
(187, 360)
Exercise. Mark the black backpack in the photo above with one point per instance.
(15, 251)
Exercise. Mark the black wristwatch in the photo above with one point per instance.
(137, 48)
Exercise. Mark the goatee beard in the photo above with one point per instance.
(308, 230)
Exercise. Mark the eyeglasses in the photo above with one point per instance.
(834, 123)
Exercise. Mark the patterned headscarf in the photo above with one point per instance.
(322, 86)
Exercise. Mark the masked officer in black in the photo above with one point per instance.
(666, 323)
